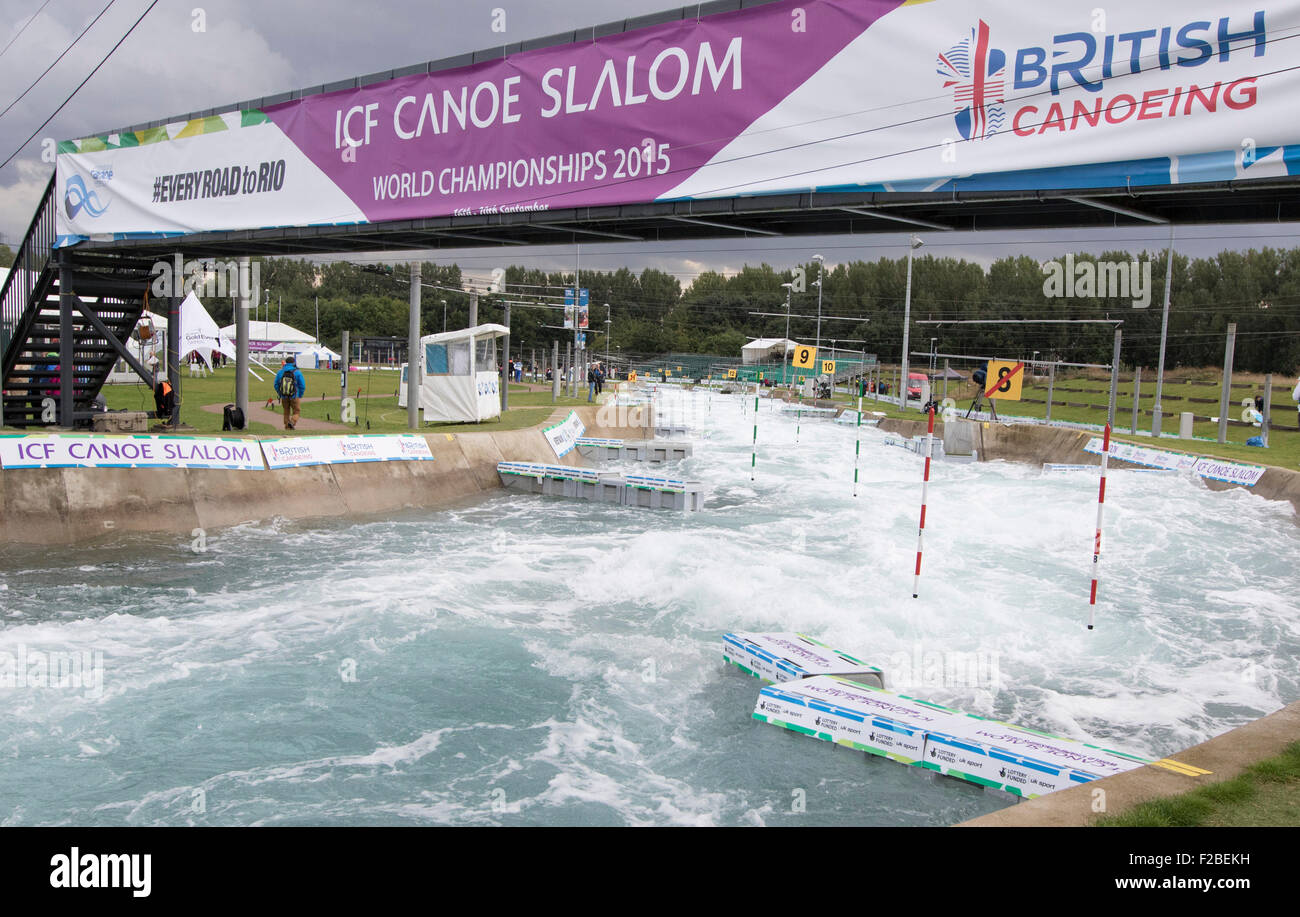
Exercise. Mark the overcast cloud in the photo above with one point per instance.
(251, 49)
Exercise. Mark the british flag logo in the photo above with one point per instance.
(976, 74)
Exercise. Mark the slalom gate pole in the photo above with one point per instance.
(925, 486)
(857, 450)
(1096, 544)
(798, 422)
(753, 456)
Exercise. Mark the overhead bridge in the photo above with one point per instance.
(755, 139)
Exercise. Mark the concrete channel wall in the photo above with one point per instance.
(69, 505)
(1040, 444)
(1223, 757)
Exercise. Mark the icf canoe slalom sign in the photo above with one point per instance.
(70, 450)
(779, 98)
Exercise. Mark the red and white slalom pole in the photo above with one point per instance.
(925, 486)
(1096, 544)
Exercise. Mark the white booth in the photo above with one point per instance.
(460, 381)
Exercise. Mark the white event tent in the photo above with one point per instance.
(275, 339)
(766, 350)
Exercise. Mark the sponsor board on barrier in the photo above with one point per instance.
(788, 706)
(1012, 758)
(891, 740)
(1200, 465)
(979, 764)
(1057, 751)
(785, 656)
(88, 450)
(292, 452)
(564, 435)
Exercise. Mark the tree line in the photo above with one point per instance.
(651, 313)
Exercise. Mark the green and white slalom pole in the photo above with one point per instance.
(857, 450)
(753, 456)
(798, 422)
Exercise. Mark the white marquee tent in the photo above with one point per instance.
(459, 377)
(766, 350)
(317, 357)
(274, 338)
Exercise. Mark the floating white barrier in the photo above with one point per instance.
(1016, 760)
(808, 411)
(850, 416)
(662, 493)
(792, 656)
(670, 429)
(608, 450)
(586, 484)
(916, 445)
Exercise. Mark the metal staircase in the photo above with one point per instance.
(106, 295)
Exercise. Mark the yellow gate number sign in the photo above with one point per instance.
(1004, 379)
(805, 357)
(828, 367)
(731, 374)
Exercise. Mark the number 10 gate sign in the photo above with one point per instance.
(1004, 379)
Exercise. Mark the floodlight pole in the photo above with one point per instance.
(819, 259)
(785, 345)
(1156, 410)
(913, 244)
(413, 352)
(246, 292)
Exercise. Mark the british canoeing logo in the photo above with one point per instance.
(976, 74)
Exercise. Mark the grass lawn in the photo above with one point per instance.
(376, 404)
(1086, 399)
(1267, 794)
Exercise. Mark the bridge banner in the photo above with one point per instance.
(787, 97)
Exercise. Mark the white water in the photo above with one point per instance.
(529, 660)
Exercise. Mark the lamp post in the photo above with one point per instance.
(444, 315)
(914, 244)
(608, 321)
(820, 261)
(785, 347)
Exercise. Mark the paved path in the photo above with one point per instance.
(259, 413)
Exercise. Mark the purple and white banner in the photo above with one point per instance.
(826, 95)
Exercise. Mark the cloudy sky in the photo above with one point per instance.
(251, 48)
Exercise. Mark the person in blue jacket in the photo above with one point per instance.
(290, 386)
